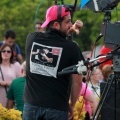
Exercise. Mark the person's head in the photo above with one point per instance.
(106, 71)
(6, 53)
(10, 37)
(86, 54)
(96, 75)
(104, 51)
(23, 69)
(38, 27)
(59, 18)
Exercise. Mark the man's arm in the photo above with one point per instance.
(10, 96)
(5, 83)
(10, 104)
(75, 92)
(76, 87)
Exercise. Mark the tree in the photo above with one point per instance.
(20, 15)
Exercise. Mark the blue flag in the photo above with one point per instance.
(83, 3)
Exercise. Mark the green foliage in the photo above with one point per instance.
(20, 15)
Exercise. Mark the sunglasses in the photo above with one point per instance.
(8, 51)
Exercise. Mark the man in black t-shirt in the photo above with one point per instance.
(47, 96)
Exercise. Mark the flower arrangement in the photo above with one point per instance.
(79, 109)
(9, 114)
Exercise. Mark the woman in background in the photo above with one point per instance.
(94, 83)
(9, 70)
(90, 101)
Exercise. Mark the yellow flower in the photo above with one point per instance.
(10, 114)
(79, 109)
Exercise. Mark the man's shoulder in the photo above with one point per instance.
(16, 45)
(16, 80)
(34, 34)
(73, 43)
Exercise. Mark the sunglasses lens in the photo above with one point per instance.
(8, 51)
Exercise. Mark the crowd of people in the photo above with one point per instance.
(33, 86)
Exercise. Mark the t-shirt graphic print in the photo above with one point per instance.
(44, 59)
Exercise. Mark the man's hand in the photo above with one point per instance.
(71, 112)
(75, 92)
(76, 27)
(5, 83)
(10, 104)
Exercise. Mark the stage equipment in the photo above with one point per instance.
(110, 31)
(111, 105)
(82, 66)
(99, 5)
(78, 69)
(113, 79)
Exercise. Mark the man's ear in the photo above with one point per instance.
(56, 25)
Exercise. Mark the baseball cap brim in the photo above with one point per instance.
(45, 24)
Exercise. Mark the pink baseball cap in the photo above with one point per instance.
(52, 14)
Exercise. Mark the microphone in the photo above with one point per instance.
(80, 68)
(99, 36)
(73, 71)
(68, 68)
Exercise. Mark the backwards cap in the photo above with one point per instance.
(52, 14)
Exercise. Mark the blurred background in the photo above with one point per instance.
(21, 16)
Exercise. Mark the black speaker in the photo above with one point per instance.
(111, 106)
(111, 32)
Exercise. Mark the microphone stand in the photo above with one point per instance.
(78, 69)
(81, 67)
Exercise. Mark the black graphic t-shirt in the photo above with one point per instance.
(46, 54)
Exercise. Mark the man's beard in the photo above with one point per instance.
(64, 33)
